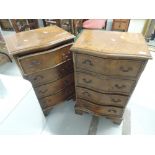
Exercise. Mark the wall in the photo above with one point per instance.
(136, 25)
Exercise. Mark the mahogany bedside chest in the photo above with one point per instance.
(107, 67)
(44, 58)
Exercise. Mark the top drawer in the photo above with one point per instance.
(39, 61)
(113, 67)
(120, 26)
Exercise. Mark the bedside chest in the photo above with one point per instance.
(107, 67)
(120, 25)
(44, 58)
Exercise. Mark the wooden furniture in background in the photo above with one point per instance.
(77, 25)
(107, 66)
(24, 24)
(66, 24)
(120, 25)
(44, 58)
(4, 55)
(49, 22)
(5, 24)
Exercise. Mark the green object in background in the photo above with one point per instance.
(78, 35)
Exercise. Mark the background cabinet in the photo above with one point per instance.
(120, 24)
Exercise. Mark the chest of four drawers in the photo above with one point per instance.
(51, 73)
(104, 85)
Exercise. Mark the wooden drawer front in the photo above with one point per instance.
(57, 98)
(51, 74)
(104, 84)
(102, 99)
(120, 25)
(52, 88)
(36, 62)
(99, 110)
(108, 66)
(121, 20)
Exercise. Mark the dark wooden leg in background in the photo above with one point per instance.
(46, 112)
(79, 112)
(93, 125)
(117, 120)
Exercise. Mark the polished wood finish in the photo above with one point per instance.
(101, 99)
(107, 67)
(50, 101)
(104, 84)
(51, 75)
(54, 87)
(66, 24)
(44, 58)
(37, 40)
(120, 25)
(99, 110)
(35, 62)
(112, 44)
(113, 67)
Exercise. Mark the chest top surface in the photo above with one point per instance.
(112, 43)
(35, 39)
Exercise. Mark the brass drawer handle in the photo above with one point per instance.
(87, 81)
(38, 77)
(127, 69)
(87, 61)
(43, 91)
(120, 86)
(86, 94)
(34, 62)
(66, 55)
(112, 110)
(115, 100)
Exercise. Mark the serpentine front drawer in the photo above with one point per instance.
(43, 60)
(104, 84)
(113, 67)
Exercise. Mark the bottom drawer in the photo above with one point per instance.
(97, 109)
(57, 98)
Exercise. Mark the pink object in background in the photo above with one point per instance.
(94, 24)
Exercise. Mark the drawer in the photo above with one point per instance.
(43, 60)
(113, 67)
(51, 74)
(121, 20)
(101, 99)
(57, 98)
(104, 84)
(120, 26)
(97, 109)
(54, 87)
